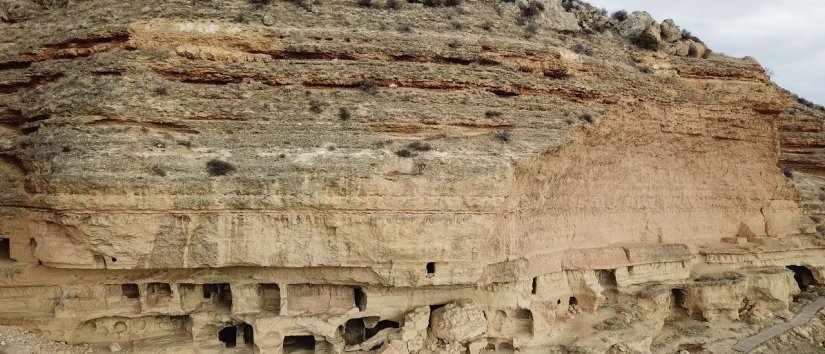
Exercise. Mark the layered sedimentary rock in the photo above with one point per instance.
(281, 176)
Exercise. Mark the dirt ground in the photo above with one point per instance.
(15, 340)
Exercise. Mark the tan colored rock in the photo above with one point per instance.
(458, 322)
(697, 50)
(555, 17)
(298, 176)
(414, 332)
(635, 24)
(670, 32)
(681, 48)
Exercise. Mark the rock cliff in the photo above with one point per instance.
(393, 177)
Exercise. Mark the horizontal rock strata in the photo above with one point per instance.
(399, 177)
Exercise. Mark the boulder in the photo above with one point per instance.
(459, 322)
(681, 49)
(670, 32)
(635, 24)
(650, 38)
(555, 17)
(697, 50)
(414, 331)
(17, 10)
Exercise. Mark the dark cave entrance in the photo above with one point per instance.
(220, 294)
(803, 276)
(5, 250)
(360, 298)
(130, 291)
(298, 343)
(228, 336)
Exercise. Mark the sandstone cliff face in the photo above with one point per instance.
(289, 175)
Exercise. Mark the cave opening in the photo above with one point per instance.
(270, 295)
(572, 303)
(298, 344)
(130, 291)
(607, 278)
(430, 268)
(535, 285)
(678, 307)
(383, 324)
(248, 334)
(360, 298)
(159, 289)
(436, 307)
(524, 314)
(220, 294)
(5, 249)
(354, 331)
(228, 336)
(803, 276)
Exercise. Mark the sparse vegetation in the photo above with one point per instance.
(405, 28)
(157, 171)
(503, 136)
(260, 3)
(587, 118)
(457, 25)
(52, 4)
(316, 106)
(531, 9)
(583, 49)
(487, 26)
(531, 30)
(688, 35)
(646, 41)
(808, 104)
(344, 113)
(219, 168)
(619, 16)
(492, 114)
(366, 3)
(395, 4)
(440, 3)
(419, 146)
(787, 172)
(368, 86)
(308, 5)
(161, 91)
(557, 73)
(404, 153)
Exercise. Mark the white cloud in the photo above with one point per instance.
(786, 36)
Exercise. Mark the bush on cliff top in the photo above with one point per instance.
(531, 9)
(620, 15)
(217, 167)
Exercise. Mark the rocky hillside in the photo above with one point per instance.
(432, 176)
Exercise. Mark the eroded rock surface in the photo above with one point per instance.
(394, 177)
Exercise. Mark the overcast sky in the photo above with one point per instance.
(786, 36)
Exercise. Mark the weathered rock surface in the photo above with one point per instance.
(302, 176)
(459, 322)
